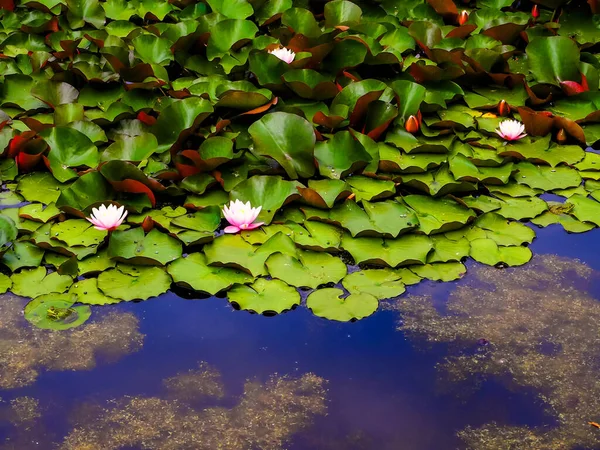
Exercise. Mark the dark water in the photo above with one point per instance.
(384, 390)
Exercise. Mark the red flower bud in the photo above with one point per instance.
(535, 11)
(503, 108)
(463, 17)
(561, 136)
(412, 125)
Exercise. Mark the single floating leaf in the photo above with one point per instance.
(330, 304)
(265, 296)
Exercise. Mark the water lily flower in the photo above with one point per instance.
(535, 12)
(412, 125)
(107, 219)
(284, 54)
(241, 216)
(511, 130)
(503, 108)
(463, 17)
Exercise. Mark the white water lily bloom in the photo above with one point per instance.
(241, 216)
(511, 130)
(284, 54)
(107, 219)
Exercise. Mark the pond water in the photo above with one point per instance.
(499, 358)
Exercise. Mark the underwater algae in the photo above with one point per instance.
(536, 326)
(266, 415)
(25, 350)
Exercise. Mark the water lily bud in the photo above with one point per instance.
(412, 125)
(535, 12)
(561, 136)
(503, 108)
(463, 17)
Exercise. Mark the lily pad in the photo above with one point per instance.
(405, 250)
(265, 296)
(308, 269)
(87, 292)
(443, 271)
(194, 272)
(135, 247)
(40, 187)
(547, 178)
(486, 251)
(56, 312)
(75, 232)
(585, 209)
(35, 282)
(5, 283)
(134, 282)
(330, 304)
(438, 215)
(381, 283)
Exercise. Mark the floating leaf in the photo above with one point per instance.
(135, 247)
(585, 209)
(381, 283)
(35, 282)
(438, 215)
(308, 269)
(408, 249)
(443, 271)
(486, 251)
(133, 282)
(330, 304)
(87, 292)
(56, 312)
(546, 178)
(40, 187)
(193, 272)
(77, 232)
(22, 254)
(265, 296)
(288, 139)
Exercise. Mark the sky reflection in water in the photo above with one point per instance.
(386, 383)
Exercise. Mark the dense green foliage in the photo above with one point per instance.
(376, 144)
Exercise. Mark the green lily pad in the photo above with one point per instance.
(503, 231)
(39, 213)
(547, 178)
(8, 230)
(486, 251)
(308, 269)
(381, 283)
(340, 156)
(371, 189)
(135, 247)
(443, 271)
(5, 283)
(94, 264)
(56, 312)
(233, 251)
(521, 208)
(330, 304)
(35, 282)
(264, 296)
(269, 192)
(438, 215)
(445, 249)
(407, 249)
(193, 272)
(75, 232)
(585, 209)
(22, 254)
(558, 214)
(87, 292)
(288, 139)
(134, 282)
(40, 187)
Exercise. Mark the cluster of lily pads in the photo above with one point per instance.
(394, 138)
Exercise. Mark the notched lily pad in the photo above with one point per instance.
(35, 282)
(134, 282)
(330, 304)
(265, 296)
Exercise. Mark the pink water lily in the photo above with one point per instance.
(107, 219)
(241, 216)
(511, 130)
(284, 54)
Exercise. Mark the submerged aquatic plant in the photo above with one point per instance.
(107, 219)
(241, 216)
(511, 130)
